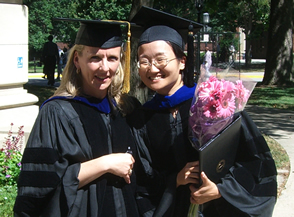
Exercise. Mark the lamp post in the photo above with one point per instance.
(205, 22)
(198, 6)
(206, 18)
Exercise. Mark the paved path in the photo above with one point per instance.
(36, 79)
(279, 124)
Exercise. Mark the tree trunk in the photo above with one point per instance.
(279, 56)
(137, 4)
(140, 93)
(248, 29)
(248, 53)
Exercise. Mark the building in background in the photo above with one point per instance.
(16, 104)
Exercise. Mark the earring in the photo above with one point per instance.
(78, 71)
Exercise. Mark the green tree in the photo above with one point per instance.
(42, 12)
(40, 24)
(279, 56)
(101, 9)
(181, 8)
(250, 15)
(90, 9)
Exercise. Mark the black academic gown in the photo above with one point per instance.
(164, 150)
(249, 189)
(65, 134)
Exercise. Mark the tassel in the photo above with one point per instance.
(189, 77)
(127, 73)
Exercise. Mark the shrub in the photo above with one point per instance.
(10, 158)
(10, 166)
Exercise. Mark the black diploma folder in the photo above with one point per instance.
(218, 155)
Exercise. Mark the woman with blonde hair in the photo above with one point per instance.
(80, 154)
(71, 80)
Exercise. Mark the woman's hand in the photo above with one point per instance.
(120, 164)
(208, 191)
(189, 174)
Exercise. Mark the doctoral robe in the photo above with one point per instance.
(65, 134)
(249, 188)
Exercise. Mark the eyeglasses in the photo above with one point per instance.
(158, 63)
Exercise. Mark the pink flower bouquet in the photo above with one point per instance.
(214, 104)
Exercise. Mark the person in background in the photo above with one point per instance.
(207, 61)
(171, 166)
(231, 54)
(79, 157)
(60, 64)
(50, 57)
(65, 54)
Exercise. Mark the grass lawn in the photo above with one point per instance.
(279, 154)
(280, 98)
(281, 160)
(273, 97)
(34, 67)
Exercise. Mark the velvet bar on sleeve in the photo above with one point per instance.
(65, 134)
(250, 187)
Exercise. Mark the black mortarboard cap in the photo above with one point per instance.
(159, 25)
(104, 34)
(97, 33)
(149, 17)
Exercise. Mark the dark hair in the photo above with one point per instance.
(50, 37)
(179, 53)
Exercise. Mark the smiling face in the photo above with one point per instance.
(167, 80)
(98, 67)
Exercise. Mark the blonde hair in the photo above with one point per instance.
(71, 83)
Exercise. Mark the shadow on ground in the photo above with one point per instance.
(271, 121)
